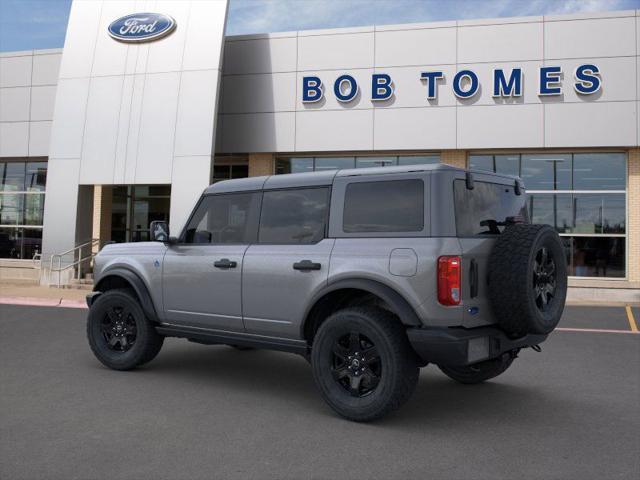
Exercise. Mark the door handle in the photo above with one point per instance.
(306, 265)
(225, 263)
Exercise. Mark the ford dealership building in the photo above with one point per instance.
(141, 111)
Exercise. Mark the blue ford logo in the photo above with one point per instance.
(141, 27)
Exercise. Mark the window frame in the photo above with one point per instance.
(325, 232)
(183, 232)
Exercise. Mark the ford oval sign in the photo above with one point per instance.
(141, 27)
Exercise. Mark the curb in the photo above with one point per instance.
(43, 302)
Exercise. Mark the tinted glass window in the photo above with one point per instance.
(13, 175)
(419, 160)
(230, 218)
(508, 164)
(547, 171)
(478, 211)
(553, 209)
(384, 206)
(333, 163)
(599, 171)
(368, 162)
(295, 216)
(481, 162)
(595, 256)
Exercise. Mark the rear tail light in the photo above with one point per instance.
(449, 280)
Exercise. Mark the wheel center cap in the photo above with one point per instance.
(119, 328)
(355, 363)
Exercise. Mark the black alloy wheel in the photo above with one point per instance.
(363, 364)
(119, 333)
(544, 282)
(356, 364)
(119, 328)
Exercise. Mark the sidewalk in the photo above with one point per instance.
(27, 294)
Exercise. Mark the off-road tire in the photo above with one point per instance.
(147, 341)
(512, 279)
(397, 362)
(479, 372)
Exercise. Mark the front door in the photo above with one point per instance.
(202, 274)
(290, 262)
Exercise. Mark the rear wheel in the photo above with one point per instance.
(119, 334)
(363, 364)
(479, 372)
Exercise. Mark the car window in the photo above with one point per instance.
(220, 219)
(485, 209)
(294, 216)
(384, 206)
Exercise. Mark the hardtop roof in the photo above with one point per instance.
(313, 179)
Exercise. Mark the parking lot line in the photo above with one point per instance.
(595, 330)
(632, 321)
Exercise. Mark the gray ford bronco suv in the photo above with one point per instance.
(370, 274)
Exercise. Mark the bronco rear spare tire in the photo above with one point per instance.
(528, 279)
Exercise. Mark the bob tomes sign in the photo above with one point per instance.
(141, 27)
(465, 84)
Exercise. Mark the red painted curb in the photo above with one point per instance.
(42, 302)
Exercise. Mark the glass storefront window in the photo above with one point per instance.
(10, 240)
(599, 171)
(333, 163)
(310, 164)
(596, 256)
(11, 209)
(36, 176)
(133, 208)
(553, 209)
(13, 177)
(508, 164)
(481, 162)
(368, 162)
(547, 171)
(33, 209)
(418, 159)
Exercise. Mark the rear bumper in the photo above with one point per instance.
(459, 346)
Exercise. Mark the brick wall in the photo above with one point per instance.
(456, 158)
(102, 201)
(261, 164)
(633, 227)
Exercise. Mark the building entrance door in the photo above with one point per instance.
(134, 207)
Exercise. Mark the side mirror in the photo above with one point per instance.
(159, 231)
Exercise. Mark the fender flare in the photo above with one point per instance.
(138, 286)
(397, 302)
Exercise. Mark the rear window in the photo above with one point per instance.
(384, 206)
(481, 211)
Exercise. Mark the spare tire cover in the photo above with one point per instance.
(528, 279)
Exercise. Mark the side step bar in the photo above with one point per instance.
(214, 337)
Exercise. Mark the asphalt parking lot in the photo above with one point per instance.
(572, 411)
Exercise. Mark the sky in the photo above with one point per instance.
(34, 24)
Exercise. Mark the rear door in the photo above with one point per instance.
(289, 263)
(479, 213)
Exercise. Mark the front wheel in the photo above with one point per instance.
(479, 372)
(119, 333)
(363, 363)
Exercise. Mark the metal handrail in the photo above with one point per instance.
(78, 248)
